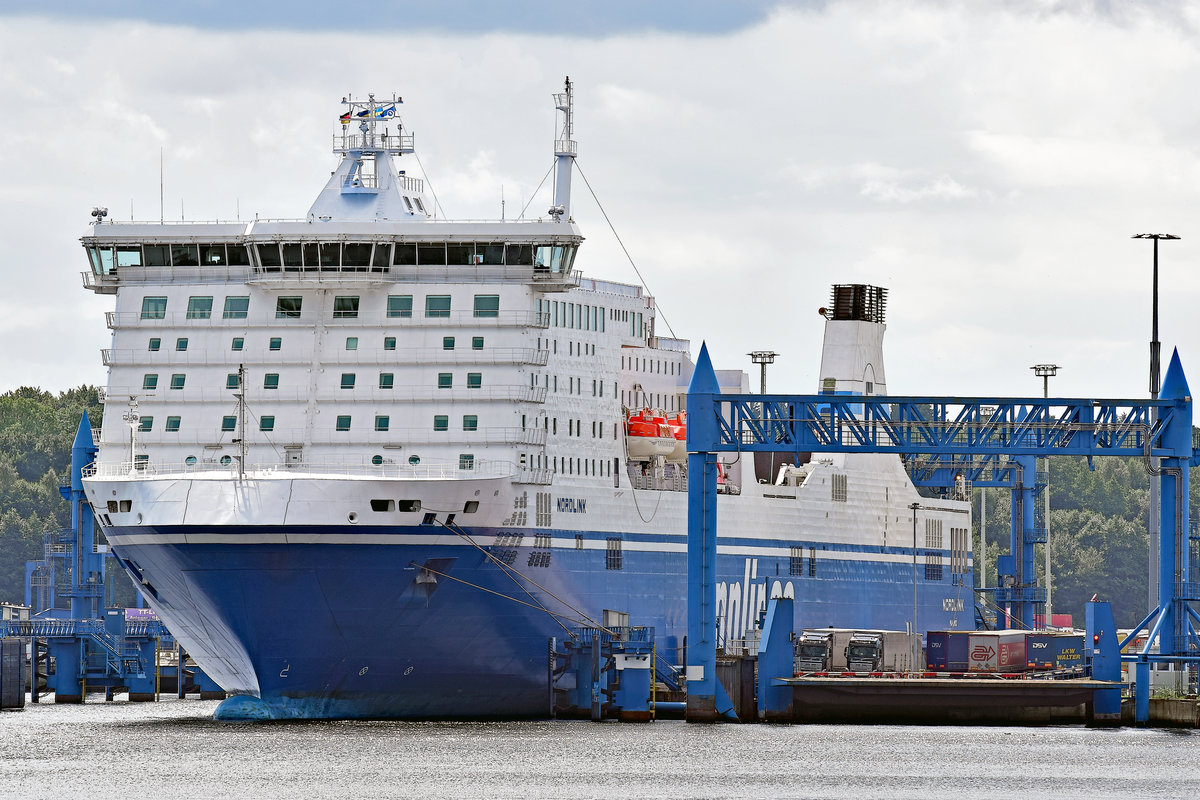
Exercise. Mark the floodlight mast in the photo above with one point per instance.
(1155, 383)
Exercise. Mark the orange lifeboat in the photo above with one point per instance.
(647, 435)
(678, 426)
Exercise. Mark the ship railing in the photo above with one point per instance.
(195, 273)
(359, 440)
(258, 360)
(388, 470)
(615, 633)
(180, 320)
(517, 393)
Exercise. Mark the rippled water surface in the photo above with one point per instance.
(124, 750)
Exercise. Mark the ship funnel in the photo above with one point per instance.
(852, 355)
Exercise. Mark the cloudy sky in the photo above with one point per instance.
(986, 162)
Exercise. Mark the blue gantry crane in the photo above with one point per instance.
(999, 438)
(78, 640)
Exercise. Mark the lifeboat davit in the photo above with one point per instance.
(678, 426)
(647, 436)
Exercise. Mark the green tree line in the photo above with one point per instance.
(37, 430)
(1098, 539)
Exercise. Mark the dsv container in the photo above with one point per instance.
(996, 651)
(1053, 650)
(946, 651)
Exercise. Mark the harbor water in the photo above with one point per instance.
(175, 749)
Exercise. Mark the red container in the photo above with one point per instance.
(996, 651)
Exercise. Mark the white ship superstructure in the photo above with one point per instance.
(333, 446)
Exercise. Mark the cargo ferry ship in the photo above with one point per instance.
(367, 462)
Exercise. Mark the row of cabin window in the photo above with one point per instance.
(465, 461)
(572, 466)
(445, 380)
(344, 307)
(332, 255)
(276, 343)
(441, 422)
(576, 316)
(651, 365)
(574, 385)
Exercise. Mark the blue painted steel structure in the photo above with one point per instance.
(1020, 429)
(88, 644)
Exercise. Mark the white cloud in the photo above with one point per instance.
(985, 162)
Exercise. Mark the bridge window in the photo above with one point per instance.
(437, 305)
(268, 256)
(459, 254)
(520, 254)
(212, 255)
(404, 255)
(185, 255)
(431, 254)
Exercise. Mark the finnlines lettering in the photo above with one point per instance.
(572, 505)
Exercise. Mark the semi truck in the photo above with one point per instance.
(851, 650)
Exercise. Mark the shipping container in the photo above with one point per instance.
(996, 651)
(1053, 650)
(946, 651)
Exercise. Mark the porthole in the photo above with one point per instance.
(353, 517)
(377, 460)
(414, 460)
(226, 460)
(190, 461)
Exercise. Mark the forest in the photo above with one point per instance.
(1098, 542)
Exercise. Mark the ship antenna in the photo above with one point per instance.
(565, 150)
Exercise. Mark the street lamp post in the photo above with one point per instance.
(1152, 516)
(916, 647)
(1046, 372)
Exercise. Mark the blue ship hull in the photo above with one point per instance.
(361, 630)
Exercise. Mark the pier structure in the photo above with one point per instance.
(77, 642)
(1006, 435)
